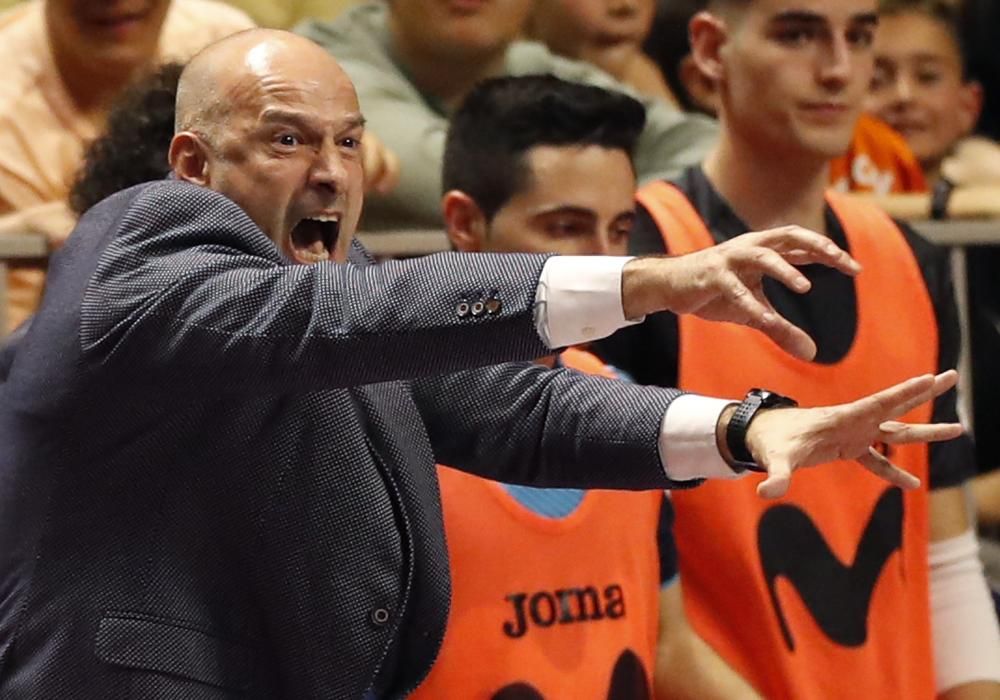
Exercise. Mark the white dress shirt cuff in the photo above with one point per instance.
(688, 449)
(579, 299)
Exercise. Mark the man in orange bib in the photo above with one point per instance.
(557, 593)
(860, 592)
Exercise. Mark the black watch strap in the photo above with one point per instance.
(940, 197)
(736, 431)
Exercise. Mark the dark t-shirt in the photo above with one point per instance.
(649, 352)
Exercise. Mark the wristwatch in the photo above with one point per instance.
(736, 431)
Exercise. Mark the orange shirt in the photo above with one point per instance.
(567, 607)
(823, 594)
(878, 161)
(43, 134)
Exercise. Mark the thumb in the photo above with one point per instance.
(779, 478)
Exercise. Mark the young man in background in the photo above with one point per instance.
(557, 592)
(885, 596)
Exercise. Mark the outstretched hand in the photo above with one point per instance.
(725, 282)
(783, 440)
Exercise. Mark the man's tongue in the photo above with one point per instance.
(308, 242)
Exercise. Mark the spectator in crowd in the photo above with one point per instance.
(211, 444)
(280, 14)
(921, 86)
(927, 84)
(65, 61)
(535, 164)
(414, 60)
(605, 33)
(885, 596)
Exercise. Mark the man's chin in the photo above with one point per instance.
(826, 144)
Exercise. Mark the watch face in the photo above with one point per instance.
(771, 399)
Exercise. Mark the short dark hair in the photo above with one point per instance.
(133, 147)
(502, 118)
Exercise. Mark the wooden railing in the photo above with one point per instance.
(13, 248)
(959, 235)
(955, 234)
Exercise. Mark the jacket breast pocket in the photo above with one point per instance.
(148, 643)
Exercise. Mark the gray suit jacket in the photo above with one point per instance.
(217, 468)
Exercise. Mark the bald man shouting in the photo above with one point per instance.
(217, 440)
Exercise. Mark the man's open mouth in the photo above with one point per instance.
(314, 239)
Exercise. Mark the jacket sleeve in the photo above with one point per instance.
(191, 293)
(524, 423)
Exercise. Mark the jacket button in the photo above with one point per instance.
(493, 306)
(462, 309)
(478, 308)
(379, 616)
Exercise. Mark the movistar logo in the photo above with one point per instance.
(629, 681)
(837, 595)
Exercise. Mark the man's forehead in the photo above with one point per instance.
(272, 72)
(280, 95)
(556, 173)
(817, 10)
(924, 37)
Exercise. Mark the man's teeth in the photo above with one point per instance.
(312, 256)
(325, 219)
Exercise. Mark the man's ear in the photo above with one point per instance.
(970, 105)
(707, 35)
(699, 87)
(189, 158)
(464, 221)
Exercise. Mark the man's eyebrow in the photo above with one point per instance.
(306, 119)
(277, 114)
(807, 17)
(929, 57)
(564, 209)
(870, 18)
(354, 120)
(800, 16)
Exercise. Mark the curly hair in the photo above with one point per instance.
(133, 147)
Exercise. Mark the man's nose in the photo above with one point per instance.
(836, 67)
(903, 89)
(604, 244)
(329, 169)
(622, 9)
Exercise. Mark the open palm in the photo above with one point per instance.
(783, 440)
